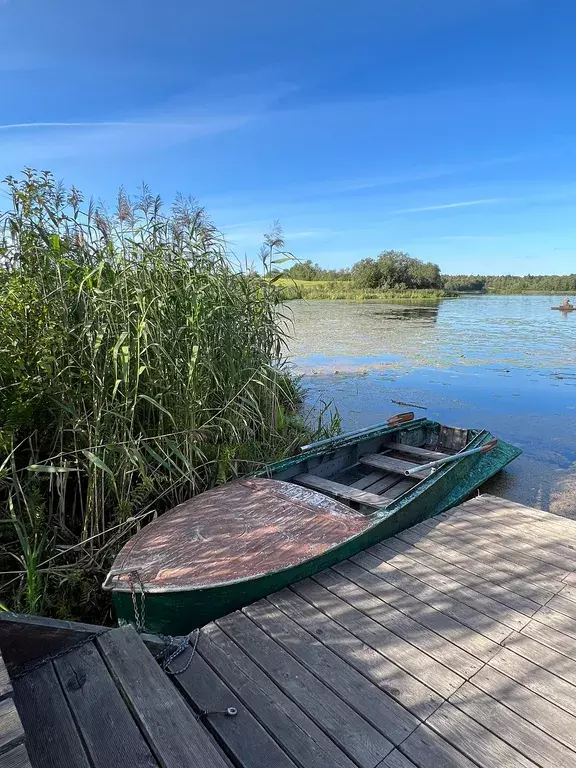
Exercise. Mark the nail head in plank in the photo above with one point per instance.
(110, 734)
(352, 733)
(297, 734)
(340, 490)
(248, 743)
(51, 736)
(171, 728)
(512, 728)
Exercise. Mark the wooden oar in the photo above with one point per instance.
(433, 465)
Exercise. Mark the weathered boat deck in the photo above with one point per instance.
(452, 644)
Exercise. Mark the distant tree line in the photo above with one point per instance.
(400, 271)
(511, 283)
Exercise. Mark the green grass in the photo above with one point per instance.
(346, 289)
(138, 367)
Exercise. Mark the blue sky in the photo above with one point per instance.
(446, 128)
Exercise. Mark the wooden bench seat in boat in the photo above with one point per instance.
(341, 490)
(389, 464)
(413, 450)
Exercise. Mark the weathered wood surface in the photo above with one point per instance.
(389, 464)
(413, 450)
(449, 642)
(340, 490)
(110, 734)
(162, 715)
(13, 753)
(448, 646)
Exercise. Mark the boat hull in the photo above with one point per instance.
(178, 612)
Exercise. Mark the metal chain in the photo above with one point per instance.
(190, 640)
(54, 656)
(139, 614)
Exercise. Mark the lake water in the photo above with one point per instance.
(504, 363)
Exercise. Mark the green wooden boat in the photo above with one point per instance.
(248, 538)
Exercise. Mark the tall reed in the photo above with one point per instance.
(138, 366)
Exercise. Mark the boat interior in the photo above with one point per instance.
(370, 474)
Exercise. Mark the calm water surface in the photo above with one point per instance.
(504, 363)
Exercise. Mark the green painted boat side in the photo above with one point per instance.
(177, 613)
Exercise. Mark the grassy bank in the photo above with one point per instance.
(137, 367)
(346, 289)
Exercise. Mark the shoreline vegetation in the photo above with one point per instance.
(396, 275)
(139, 366)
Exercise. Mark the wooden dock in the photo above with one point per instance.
(451, 645)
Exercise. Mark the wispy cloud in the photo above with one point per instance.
(460, 204)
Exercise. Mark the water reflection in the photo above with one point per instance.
(505, 363)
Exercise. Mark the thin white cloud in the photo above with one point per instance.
(460, 204)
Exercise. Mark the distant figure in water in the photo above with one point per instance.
(566, 304)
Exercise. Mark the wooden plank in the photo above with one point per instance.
(500, 593)
(344, 679)
(542, 749)
(396, 760)
(402, 625)
(434, 675)
(476, 742)
(475, 644)
(366, 480)
(11, 730)
(110, 735)
(534, 546)
(455, 589)
(568, 592)
(26, 638)
(16, 757)
(494, 507)
(466, 615)
(492, 571)
(388, 464)
(51, 736)
(504, 563)
(169, 725)
(429, 750)
(553, 720)
(413, 450)
(356, 737)
(246, 740)
(556, 620)
(517, 536)
(536, 679)
(342, 491)
(5, 684)
(297, 734)
(562, 605)
(552, 638)
(501, 546)
(542, 655)
(389, 485)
